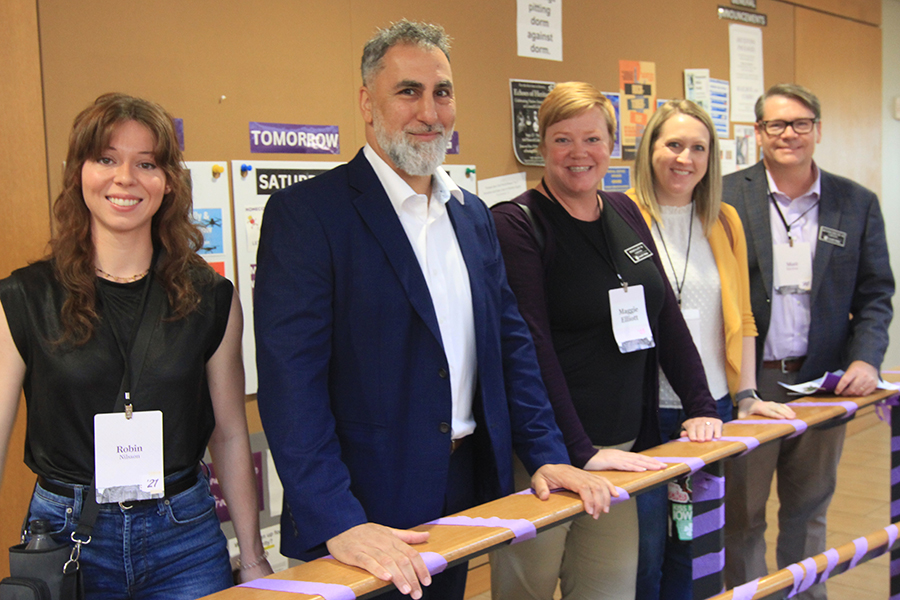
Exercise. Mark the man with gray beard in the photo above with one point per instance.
(396, 374)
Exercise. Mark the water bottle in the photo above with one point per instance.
(40, 536)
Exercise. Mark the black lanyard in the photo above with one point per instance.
(135, 326)
(609, 258)
(687, 255)
(787, 226)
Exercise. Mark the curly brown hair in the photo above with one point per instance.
(172, 230)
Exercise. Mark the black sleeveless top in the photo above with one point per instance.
(66, 386)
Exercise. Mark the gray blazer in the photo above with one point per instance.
(853, 280)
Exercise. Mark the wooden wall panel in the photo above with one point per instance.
(26, 224)
(297, 61)
(866, 11)
(840, 61)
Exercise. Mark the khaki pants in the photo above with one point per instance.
(592, 559)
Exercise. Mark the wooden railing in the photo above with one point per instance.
(454, 544)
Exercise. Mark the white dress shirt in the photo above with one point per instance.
(432, 237)
(788, 334)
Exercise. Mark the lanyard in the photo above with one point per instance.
(609, 258)
(135, 326)
(787, 226)
(687, 255)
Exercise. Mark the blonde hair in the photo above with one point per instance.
(571, 99)
(707, 194)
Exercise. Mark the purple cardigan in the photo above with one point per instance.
(526, 268)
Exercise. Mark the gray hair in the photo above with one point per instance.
(790, 90)
(424, 35)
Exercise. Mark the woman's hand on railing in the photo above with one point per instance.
(610, 459)
(702, 429)
(595, 491)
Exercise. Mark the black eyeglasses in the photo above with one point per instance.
(800, 126)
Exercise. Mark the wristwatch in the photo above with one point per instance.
(748, 393)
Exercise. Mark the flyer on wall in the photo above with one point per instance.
(637, 84)
(526, 97)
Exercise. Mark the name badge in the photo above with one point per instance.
(639, 252)
(792, 268)
(832, 236)
(631, 328)
(128, 456)
(692, 319)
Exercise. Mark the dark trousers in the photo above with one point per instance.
(460, 495)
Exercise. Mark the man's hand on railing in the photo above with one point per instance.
(702, 429)
(860, 379)
(385, 553)
(610, 459)
(595, 491)
(770, 410)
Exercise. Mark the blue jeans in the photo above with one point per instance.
(665, 565)
(171, 548)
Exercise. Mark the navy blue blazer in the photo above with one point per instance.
(855, 279)
(354, 392)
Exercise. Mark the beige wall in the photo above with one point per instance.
(26, 222)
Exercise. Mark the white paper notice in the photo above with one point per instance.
(500, 189)
(539, 27)
(726, 149)
(747, 85)
(696, 87)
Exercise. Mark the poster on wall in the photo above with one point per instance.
(613, 97)
(539, 29)
(526, 97)
(253, 182)
(212, 213)
(696, 87)
(718, 93)
(637, 84)
(745, 146)
(746, 64)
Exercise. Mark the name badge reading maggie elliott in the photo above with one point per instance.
(638, 252)
(832, 236)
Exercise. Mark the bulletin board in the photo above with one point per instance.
(221, 65)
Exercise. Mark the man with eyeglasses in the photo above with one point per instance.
(820, 288)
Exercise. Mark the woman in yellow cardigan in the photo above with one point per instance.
(701, 242)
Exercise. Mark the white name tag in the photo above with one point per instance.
(629, 319)
(792, 268)
(128, 456)
(692, 319)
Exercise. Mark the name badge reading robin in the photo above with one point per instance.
(631, 328)
(128, 456)
(792, 268)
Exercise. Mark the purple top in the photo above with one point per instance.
(526, 267)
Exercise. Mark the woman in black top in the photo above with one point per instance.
(127, 346)
(584, 269)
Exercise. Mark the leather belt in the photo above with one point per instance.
(172, 489)
(787, 365)
(455, 444)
